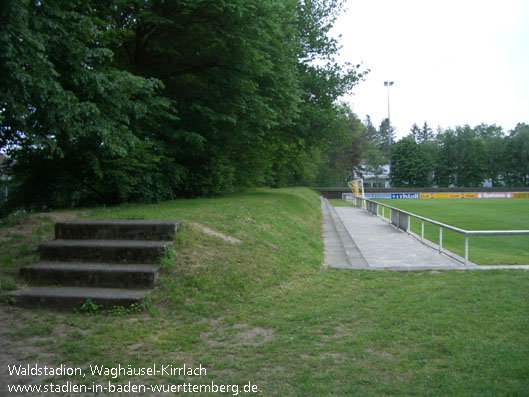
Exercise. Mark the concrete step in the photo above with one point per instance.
(75, 297)
(104, 251)
(150, 230)
(91, 275)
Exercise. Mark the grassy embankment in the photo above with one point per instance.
(263, 310)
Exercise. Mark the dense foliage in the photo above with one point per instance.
(463, 156)
(144, 100)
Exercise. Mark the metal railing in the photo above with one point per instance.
(402, 220)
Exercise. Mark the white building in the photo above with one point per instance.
(373, 179)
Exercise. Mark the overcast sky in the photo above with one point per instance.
(454, 62)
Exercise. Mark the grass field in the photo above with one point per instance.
(489, 214)
(261, 309)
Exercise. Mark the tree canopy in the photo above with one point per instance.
(144, 100)
(110, 101)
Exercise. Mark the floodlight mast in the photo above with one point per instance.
(389, 84)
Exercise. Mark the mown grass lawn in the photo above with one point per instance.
(263, 310)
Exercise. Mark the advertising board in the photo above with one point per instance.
(495, 195)
(404, 196)
(452, 195)
(378, 195)
(446, 195)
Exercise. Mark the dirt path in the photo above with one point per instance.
(16, 349)
(21, 338)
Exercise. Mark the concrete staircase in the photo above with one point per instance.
(111, 262)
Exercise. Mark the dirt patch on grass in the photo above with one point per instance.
(381, 354)
(253, 336)
(20, 350)
(211, 232)
(335, 356)
(238, 334)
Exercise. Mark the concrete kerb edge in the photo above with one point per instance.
(330, 208)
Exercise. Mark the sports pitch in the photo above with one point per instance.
(475, 214)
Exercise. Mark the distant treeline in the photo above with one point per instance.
(462, 156)
(108, 101)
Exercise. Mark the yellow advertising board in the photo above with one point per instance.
(470, 195)
(521, 195)
(446, 195)
(426, 195)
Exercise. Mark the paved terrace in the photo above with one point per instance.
(356, 239)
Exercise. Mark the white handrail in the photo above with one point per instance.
(466, 233)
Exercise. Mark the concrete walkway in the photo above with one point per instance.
(340, 249)
(356, 239)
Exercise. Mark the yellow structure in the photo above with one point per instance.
(357, 187)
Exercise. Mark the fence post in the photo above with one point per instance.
(466, 249)
(409, 224)
(422, 231)
(440, 239)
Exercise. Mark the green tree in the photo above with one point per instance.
(370, 131)
(74, 126)
(147, 99)
(495, 152)
(375, 161)
(445, 159)
(425, 134)
(517, 145)
(243, 76)
(375, 153)
(415, 132)
(470, 160)
(346, 150)
(410, 167)
(385, 137)
(462, 160)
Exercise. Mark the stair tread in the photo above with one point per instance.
(133, 222)
(110, 267)
(117, 229)
(82, 292)
(106, 243)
